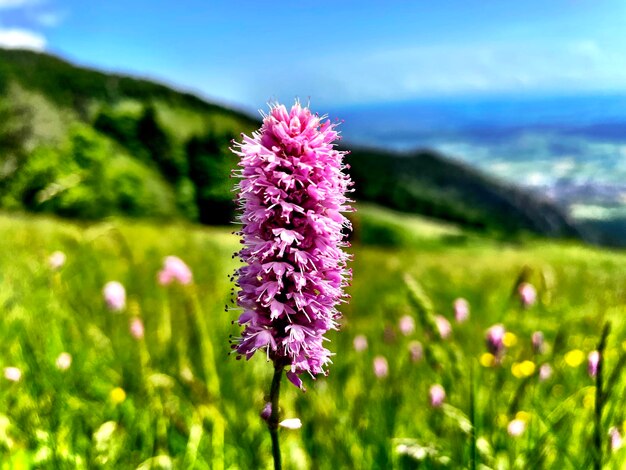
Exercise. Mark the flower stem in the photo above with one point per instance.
(597, 435)
(273, 421)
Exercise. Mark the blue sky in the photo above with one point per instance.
(336, 53)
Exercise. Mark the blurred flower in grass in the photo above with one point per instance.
(117, 395)
(437, 395)
(381, 367)
(114, 296)
(174, 269)
(545, 372)
(63, 361)
(136, 328)
(616, 439)
(538, 342)
(516, 427)
(593, 361)
(416, 351)
(56, 260)
(360, 343)
(291, 423)
(523, 369)
(487, 360)
(407, 325)
(527, 294)
(495, 340)
(574, 358)
(12, 374)
(509, 340)
(461, 310)
(443, 326)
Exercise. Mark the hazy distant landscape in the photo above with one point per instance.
(571, 149)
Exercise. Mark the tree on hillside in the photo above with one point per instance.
(210, 165)
(157, 143)
(15, 131)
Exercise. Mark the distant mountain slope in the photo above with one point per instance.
(427, 183)
(133, 147)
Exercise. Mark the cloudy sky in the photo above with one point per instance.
(342, 52)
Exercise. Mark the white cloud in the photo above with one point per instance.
(15, 3)
(15, 38)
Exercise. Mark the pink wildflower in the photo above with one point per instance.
(538, 342)
(407, 325)
(381, 368)
(136, 328)
(291, 197)
(416, 351)
(437, 395)
(174, 269)
(56, 260)
(616, 439)
(545, 372)
(443, 326)
(461, 310)
(527, 294)
(360, 343)
(114, 296)
(593, 361)
(495, 340)
(13, 374)
(64, 361)
(516, 427)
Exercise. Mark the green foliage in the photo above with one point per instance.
(87, 177)
(210, 166)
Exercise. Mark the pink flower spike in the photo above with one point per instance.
(13, 374)
(381, 367)
(114, 296)
(461, 310)
(136, 328)
(593, 361)
(527, 294)
(56, 260)
(360, 343)
(291, 198)
(437, 395)
(407, 325)
(64, 361)
(443, 326)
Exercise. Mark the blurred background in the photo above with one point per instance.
(528, 95)
(488, 149)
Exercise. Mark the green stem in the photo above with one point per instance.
(273, 421)
(597, 435)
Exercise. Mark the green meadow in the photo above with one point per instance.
(176, 398)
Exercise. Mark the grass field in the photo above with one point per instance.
(176, 399)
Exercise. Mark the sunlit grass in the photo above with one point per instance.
(176, 399)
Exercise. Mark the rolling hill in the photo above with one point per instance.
(87, 144)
